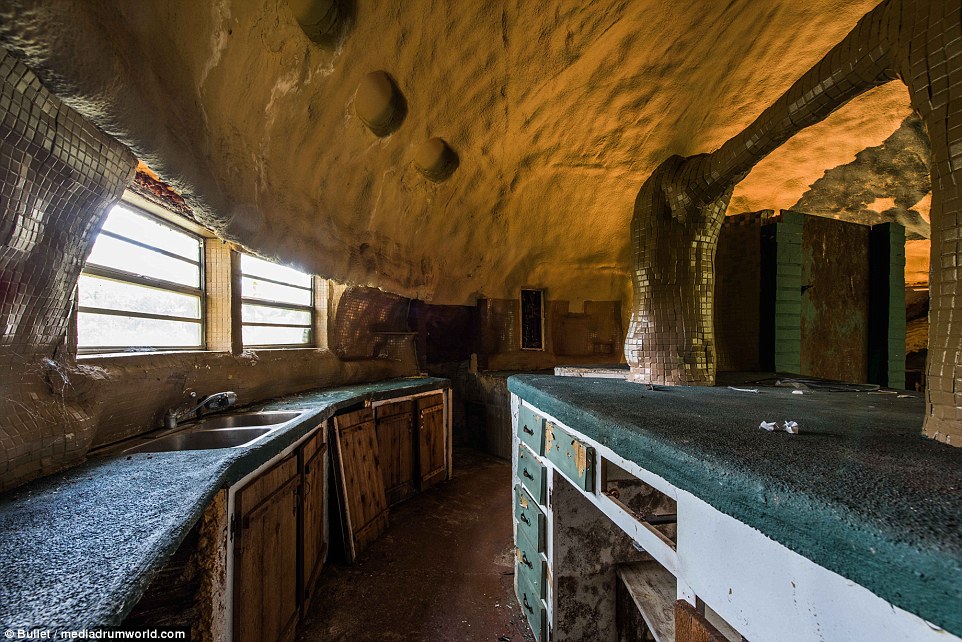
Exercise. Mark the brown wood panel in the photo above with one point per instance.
(691, 626)
(265, 585)
(359, 479)
(264, 485)
(737, 293)
(313, 455)
(651, 594)
(835, 299)
(395, 438)
(431, 447)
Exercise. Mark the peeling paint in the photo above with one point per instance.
(581, 456)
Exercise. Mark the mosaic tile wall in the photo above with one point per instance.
(369, 323)
(58, 177)
(679, 208)
(674, 232)
(58, 174)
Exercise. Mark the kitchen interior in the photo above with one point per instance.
(613, 321)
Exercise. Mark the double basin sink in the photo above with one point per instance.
(219, 431)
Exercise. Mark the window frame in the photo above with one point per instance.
(124, 276)
(268, 303)
(523, 315)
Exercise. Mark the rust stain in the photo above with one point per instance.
(548, 437)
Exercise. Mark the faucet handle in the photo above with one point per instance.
(220, 401)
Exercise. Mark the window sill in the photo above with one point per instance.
(107, 358)
(146, 353)
(282, 349)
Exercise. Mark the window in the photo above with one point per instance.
(277, 304)
(142, 286)
(532, 319)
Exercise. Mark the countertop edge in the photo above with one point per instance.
(918, 581)
(117, 599)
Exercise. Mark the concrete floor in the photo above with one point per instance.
(442, 571)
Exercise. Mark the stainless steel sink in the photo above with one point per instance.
(201, 440)
(243, 420)
(219, 431)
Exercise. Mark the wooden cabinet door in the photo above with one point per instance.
(265, 549)
(432, 447)
(313, 515)
(359, 480)
(692, 626)
(395, 440)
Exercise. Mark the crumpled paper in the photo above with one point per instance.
(790, 427)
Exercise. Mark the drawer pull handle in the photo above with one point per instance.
(524, 518)
(526, 561)
(526, 605)
(527, 474)
(528, 430)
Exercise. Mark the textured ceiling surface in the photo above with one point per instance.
(558, 112)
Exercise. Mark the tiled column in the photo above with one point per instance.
(930, 62)
(673, 238)
(218, 289)
(670, 340)
(58, 175)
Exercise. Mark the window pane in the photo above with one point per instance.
(114, 253)
(255, 335)
(96, 292)
(133, 225)
(253, 266)
(264, 314)
(105, 330)
(255, 288)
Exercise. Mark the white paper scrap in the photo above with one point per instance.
(767, 425)
(797, 392)
(792, 427)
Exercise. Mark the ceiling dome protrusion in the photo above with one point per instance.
(318, 18)
(435, 159)
(379, 103)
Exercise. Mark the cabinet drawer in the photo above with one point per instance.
(533, 608)
(531, 429)
(531, 521)
(573, 458)
(529, 565)
(531, 473)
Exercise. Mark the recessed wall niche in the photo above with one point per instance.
(532, 319)
(318, 18)
(379, 103)
(435, 159)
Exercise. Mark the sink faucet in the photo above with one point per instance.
(211, 403)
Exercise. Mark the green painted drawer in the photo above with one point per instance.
(532, 474)
(531, 429)
(531, 521)
(532, 607)
(573, 458)
(529, 565)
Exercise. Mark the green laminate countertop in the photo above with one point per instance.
(858, 491)
(78, 549)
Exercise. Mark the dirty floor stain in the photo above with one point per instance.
(443, 571)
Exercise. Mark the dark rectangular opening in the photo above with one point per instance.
(642, 501)
(532, 319)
